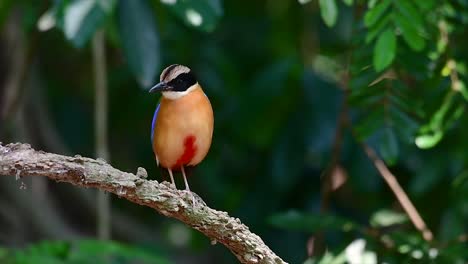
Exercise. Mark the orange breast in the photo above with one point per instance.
(183, 130)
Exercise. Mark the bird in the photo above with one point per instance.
(182, 125)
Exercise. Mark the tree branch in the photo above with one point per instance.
(22, 160)
(402, 197)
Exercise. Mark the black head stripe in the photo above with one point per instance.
(167, 71)
(183, 81)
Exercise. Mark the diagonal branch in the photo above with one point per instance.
(22, 160)
(402, 197)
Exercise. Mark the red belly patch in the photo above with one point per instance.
(189, 152)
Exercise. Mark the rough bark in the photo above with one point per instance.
(21, 160)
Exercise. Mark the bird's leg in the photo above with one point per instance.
(185, 178)
(172, 177)
(187, 188)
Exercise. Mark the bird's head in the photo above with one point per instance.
(175, 81)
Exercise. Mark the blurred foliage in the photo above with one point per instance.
(278, 74)
(83, 251)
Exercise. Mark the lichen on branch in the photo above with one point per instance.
(22, 160)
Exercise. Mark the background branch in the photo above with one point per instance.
(22, 160)
(100, 133)
(400, 194)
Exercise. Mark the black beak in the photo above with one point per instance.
(160, 87)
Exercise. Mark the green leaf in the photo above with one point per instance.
(460, 86)
(83, 17)
(348, 2)
(389, 146)
(294, 220)
(410, 12)
(373, 15)
(140, 40)
(437, 120)
(377, 28)
(409, 32)
(368, 125)
(384, 217)
(371, 3)
(384, 50)
(429, 140)
(330, 258)
(201, 14)
(329, 12)
(86, 251)
(425, 5)
(406, 125)
(95, 248)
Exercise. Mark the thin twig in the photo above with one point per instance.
(389, 178)
(85, 172)
(402, 197)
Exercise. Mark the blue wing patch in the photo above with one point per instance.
(154, 121)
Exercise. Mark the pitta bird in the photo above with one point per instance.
(182, 126)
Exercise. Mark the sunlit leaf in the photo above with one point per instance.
(330, 258)
(445, 71)
(356, 252)
(385, 50)
(83, 17)
(201, 14)
(384, 217)
(303, 2)
(140, 40)
(348, 2)
(329, 12)
(429, 140)
(47, 21)
(371, 3)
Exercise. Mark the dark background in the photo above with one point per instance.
(278, 74)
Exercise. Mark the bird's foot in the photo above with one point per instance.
(197, 200)
(192, 195)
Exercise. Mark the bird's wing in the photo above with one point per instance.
(153, 123)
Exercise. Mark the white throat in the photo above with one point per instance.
(172, 95)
